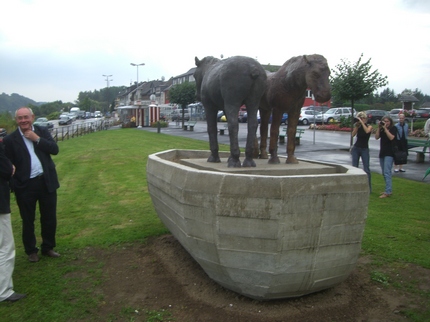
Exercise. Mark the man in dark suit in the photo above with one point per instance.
(35, 180)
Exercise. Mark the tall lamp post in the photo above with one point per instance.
(137, 67)
(137, 84)
(107, 79)
(107, 83)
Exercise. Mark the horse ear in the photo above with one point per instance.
(197, 61)
(306, 59)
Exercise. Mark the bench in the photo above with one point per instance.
(420, 147)
(283, 134)
(189, 124)
(222, 130)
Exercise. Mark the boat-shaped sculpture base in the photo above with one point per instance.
(269, 232)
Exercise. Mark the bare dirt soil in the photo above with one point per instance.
(159, 281)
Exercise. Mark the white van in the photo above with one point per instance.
(97, 114)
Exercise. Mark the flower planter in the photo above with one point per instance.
(269, 232)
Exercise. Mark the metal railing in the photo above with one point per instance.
(66, 132)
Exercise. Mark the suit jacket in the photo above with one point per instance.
(5, 174)
(17, 152)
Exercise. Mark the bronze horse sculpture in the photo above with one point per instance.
(285, 92)
(227, 85)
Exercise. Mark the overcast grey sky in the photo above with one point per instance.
(51, 50)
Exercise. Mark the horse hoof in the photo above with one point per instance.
(249, 163)
(263, 156)
(234, 163)
(214, 159)
(292, 160)
(274, 161)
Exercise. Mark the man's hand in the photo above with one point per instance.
(31, 135)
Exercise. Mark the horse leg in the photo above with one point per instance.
(274, 133)
(251, 137)
(264, 126)
(233, 128)
(293, 120)
(211, 121)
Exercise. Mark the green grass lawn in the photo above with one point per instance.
(103, 201)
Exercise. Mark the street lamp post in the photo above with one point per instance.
(107, 83)
(107, 79)
(137, 84)
(137, 67)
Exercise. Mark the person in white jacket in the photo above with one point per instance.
(427, 127)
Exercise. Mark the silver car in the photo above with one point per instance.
(307, 116)
(334, 114)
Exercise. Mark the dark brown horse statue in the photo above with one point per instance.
(227, 85)
(286, 91)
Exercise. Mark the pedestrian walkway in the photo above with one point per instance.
(321, 146)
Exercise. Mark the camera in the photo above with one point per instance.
(382, 123)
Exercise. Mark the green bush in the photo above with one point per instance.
(345, 121)
(7, 121)
(162, 124)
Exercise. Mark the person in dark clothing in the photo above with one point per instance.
(7, 243)
(401, 140)
(35, 181)
(387, 132)
(360, 149)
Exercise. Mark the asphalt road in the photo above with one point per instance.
(325, 146)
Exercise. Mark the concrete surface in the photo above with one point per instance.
(277, 231)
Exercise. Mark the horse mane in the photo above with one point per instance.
(208, 59)
(294, 64)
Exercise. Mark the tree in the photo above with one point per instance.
(353, 82)
(183, 94)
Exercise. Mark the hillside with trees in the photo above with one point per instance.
(14, 101)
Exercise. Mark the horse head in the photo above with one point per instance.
(317, 77)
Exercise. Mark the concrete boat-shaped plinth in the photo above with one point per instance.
(269, 232)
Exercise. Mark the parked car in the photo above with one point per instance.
(422, 114)
(284, 118)
(177, 115)
(334, 114)
(72, 116)
(63, 114)
(321, 109)
(65, 120)
(219, 115)
(394, 114)
(307, 116)
(375, 116)
(243, 117)
(43, 121)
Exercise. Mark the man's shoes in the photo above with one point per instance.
(385, 195)
(33, 258)
(51, 253)
(401, 170)
(396, 170)
(15, 297)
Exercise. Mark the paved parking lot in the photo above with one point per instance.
(325, 146)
